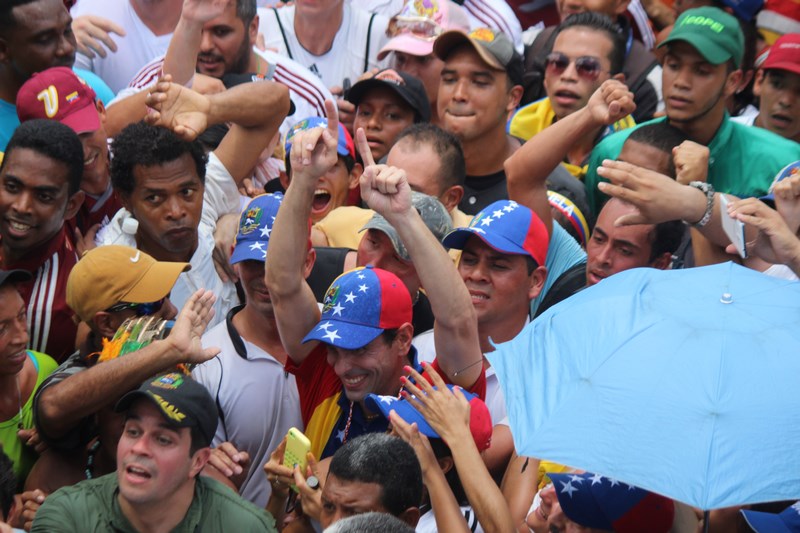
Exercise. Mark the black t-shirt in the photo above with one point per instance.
(330, 264)
(480, 191)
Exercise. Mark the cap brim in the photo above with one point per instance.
(405, 410)
(244, 253)
(408, 44)
(14, 276)
(458, 238)
(377, 222)
(707, 48)
(84, 120)
(449, 40)
(765, 522)
(156, 283)
(345, 335)
(783, 65)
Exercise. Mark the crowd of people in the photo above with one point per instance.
(226, 222)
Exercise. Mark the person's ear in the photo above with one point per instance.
(199, 460)
(404, 335)
(733, 82)
(410, 516)
(308, 264)
(74, 204)
(101, 110)
(355, 174)
(446, 464)
(514, 97)
(106, 324)
(662, 262)
(252, 31)
(759, 82)
(452, 197)
(536, 280)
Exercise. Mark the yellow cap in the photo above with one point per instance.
(108, 275)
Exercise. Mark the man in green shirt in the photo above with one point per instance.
(169, 424)
(701, 70)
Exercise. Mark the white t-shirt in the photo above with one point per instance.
(221, 197)
(134, 50)
(259, 402)
(427, 522)
(495, 401)
(345, 59)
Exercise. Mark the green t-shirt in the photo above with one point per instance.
(21, 455)
(92, 506)
(743, 162)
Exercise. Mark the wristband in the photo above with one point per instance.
(708, 190)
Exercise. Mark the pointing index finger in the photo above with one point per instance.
(333, 118)
(363, 148)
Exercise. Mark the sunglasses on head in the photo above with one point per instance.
(419, 26)
(587, 67)
(145, 309)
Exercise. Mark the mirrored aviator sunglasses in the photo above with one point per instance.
(587, 67)
(419, 26)
(144, 309)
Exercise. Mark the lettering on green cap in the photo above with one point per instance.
(698, 20)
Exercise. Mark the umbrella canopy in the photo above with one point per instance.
(685, 383)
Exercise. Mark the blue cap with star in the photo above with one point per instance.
(591, 500)
(787, 521)
(255, 226)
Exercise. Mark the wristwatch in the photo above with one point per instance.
(708, 190)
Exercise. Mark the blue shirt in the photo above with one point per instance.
(563, 253)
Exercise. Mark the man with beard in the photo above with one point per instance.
(701, 70)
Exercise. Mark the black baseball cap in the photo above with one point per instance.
(406, 86)
(14, 276)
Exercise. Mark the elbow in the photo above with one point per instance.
(49, 415)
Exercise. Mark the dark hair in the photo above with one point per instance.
(386, 461)
(8, 483)
(442, 450)
(246, 11)
(51, 139)
(662, 136)
(149, 146)
(602, 23)
(667, 237)
(7, 20)
(453, 169)
(370, 522)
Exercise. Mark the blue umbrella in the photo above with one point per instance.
(685, 383)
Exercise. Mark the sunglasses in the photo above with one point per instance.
(145, 309)
(587, 67)
(419, 26)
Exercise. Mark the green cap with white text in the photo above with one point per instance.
(715, 34)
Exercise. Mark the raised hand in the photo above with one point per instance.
(190, 325)
(182, 110)
(385, 189)
(691, 162)
(202, 11)
(787, 200)
(611, 102)
(93, 32)
(776, 242)
(230, 461)
(314, 150)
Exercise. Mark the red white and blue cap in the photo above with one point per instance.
(345, 146)
(787, 521)
(255, 227)
(359, 306)
(480, 421)
(507, 227)
(591, 500)
(790, 170)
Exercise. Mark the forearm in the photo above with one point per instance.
(445, 507)
(483, 494)
(184, 46)
(64, 404)
(456, 326)
(519, 486)
(257, 105)
(126, 111)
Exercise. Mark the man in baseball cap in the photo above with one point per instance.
(59, 94)
(169, 423)
(386, 104)
(477, 113)
(412, 33)
(109, 285)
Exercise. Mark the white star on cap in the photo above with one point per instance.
(388, 400)
(361, 276)
(258, 246)
(350, 297)
(498, 213)
(362, 288)
(595, 479)
(568, 488)
(331, 335)
(509, 208)
(265, 231)
(487, 221)
(337, 310)
(324, 326)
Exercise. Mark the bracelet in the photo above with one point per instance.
(708, 190)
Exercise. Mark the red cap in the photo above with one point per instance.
(59, 94)
(784, 54)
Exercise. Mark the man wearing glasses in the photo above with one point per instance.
(587, 51)
(108, 286)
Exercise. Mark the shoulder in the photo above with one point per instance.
(230, 508)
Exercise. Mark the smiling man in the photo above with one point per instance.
(39, 190)
(59, 94)
(169, 423)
